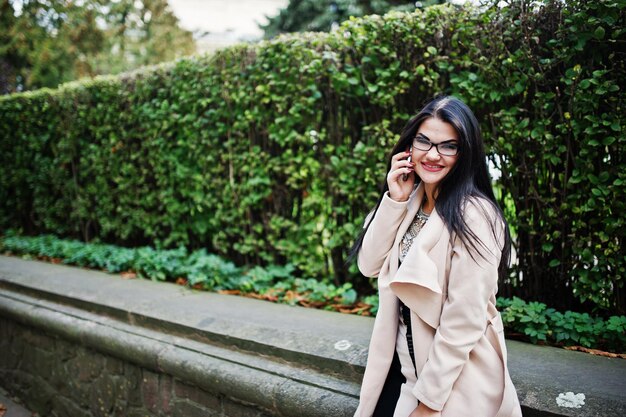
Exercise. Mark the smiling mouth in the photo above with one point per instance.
(428, 167)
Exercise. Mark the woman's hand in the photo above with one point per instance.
(423, 411)
(399, 189)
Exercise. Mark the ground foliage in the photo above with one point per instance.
(273, 153)
(529, 321)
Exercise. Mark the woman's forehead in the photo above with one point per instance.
(437, 130)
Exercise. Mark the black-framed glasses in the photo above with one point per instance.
(444, 148)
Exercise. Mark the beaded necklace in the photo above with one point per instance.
(416, 225)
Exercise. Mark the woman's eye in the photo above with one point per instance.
(423, 142)
(449, 146)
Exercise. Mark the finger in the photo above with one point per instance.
(399, 156)
(396, 174)
(402, 163)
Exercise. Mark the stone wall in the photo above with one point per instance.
(61, 379)
(78, 343)
(84, 343)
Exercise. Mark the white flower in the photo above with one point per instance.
(570, 400)
(343, 345)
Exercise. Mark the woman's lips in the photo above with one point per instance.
(432, 168)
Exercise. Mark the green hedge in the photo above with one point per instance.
(531, 321)
(273, 153)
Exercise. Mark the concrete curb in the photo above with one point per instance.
(286, 360)
(303, 336)
(278, 388)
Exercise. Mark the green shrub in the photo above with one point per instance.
(540, 323)
(198, 269)
(273, 153)
(615, 333)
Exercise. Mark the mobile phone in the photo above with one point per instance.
(406, 176)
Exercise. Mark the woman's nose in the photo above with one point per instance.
(433, 153)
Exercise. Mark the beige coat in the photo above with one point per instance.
(457, 332)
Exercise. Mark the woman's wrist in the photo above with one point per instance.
(394, 202)
(399, 199)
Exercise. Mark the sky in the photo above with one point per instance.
(226, 21)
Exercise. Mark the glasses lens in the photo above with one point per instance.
(448, 149)
(422, 144)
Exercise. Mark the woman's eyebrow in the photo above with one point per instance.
(428, 139)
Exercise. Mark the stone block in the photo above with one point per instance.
(45, 362)
(132, 384)
(64, 350)
(120, 409)
(85, 366)
(197, 395)
(240, 409)
(17, 382)
(29, 359)
(6, 337)
(149, 387)
(38, 339)
(93, 362)
(137, 412)
(17, 346)
(65, 407)
(165, 393)
(39, 396)
(12, 351)
(114, 366)
(59, 378)
(186, 408)
(104, 395)
(184, 391)
(295, 398)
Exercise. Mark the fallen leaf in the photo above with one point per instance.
(229, 292)
(596, 352)
(128, 275)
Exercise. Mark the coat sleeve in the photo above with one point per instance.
(380, 235)
(463, 321)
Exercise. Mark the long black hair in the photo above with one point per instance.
(469, 177)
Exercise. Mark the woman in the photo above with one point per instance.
(437, 242)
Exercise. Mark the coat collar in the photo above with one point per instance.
(418, 282)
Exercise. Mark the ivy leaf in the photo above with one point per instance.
(599, 32)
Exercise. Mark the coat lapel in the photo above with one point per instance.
(418, 281)
(415, 200)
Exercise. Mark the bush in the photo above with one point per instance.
(540, 323)
(272, 153)
(199, 270)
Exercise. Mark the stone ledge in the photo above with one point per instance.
(302, 336)
(281, 358)
(276, 387)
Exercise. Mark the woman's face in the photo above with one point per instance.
(431, 166)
